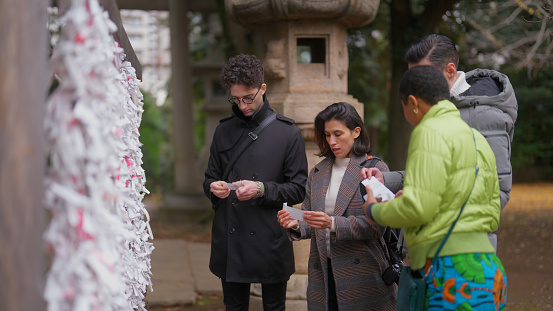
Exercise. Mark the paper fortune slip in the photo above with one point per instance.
(233, 186)
(379, 190)
(294, 212)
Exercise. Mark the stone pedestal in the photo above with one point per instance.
(303, 46)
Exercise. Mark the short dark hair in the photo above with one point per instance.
(439, 49)
(425, 82)
(347, 114)
(242, 69)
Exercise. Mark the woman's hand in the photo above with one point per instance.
(317, 220)
(370, 199)
(399, 193)
(372, 172)
(286, 221)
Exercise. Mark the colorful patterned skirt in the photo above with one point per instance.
(466, 282)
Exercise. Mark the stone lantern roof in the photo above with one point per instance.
(350, 13)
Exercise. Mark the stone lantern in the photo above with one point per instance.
(303, 46)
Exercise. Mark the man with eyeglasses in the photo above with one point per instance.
(248, 245)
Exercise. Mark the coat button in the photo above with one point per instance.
(356, 261)
(253, 202)
(252, 232)
(235, 176)
(234, 202)
(254, 176)
(232, 230)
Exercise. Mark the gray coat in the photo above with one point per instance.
(490, 106)
(248, 245)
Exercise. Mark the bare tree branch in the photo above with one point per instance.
(507, 21)
(539, 39)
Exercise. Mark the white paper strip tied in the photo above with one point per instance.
(99, 230)
(132, 179)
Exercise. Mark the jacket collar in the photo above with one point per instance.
(257, 118)
(348, 186)
(441, 108)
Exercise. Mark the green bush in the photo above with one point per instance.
(532, 148)
(157, 149)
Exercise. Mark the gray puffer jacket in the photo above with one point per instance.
(490, 106)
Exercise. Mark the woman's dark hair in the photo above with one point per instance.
(425, 82)
(439, 49)
(242, 69)
(346, 114)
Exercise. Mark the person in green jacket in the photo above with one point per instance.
(442, 158)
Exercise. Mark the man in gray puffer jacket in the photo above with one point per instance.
(485, 98)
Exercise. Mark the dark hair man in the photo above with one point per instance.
(485, 98)
(248, 245)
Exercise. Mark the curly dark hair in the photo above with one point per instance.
(242, 69)
(346, 114)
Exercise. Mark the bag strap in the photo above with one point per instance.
(458, 216)
(245, 143)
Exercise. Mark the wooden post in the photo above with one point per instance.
(187, 180)
(23, 88)
(120, 35)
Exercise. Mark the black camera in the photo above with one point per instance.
(391, 274)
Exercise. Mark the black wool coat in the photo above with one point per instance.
(248, 245)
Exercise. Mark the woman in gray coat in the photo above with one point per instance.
(347, 259)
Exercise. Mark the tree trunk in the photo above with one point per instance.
(398, 128)
(405, 29)
(23, 88)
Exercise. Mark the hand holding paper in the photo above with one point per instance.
(294, 212)
(286, 220)
(379, 190)
(233, 186)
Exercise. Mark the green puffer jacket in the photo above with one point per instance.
(439, 176)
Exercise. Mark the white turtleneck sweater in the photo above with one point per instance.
(460, 85)
(336, 176)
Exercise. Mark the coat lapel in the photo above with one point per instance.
(349, 185)
(319, 186)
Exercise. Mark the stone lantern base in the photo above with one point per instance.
(296, 299)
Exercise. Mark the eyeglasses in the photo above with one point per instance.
(245, 100)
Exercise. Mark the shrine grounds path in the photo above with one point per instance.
(525, 246)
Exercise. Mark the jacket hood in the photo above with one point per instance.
(505, 100)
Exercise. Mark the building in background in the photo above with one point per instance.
(148, 32)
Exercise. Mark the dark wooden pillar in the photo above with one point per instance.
(187, 180)
(23, 89)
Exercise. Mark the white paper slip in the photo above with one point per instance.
(295, 213)
(233, 186)
(379, 190)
